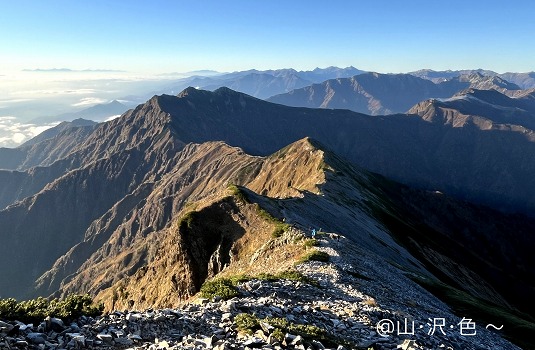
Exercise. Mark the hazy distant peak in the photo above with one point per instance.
(224, 90)
(60, 128)
(479, 80)
(82, 122)
(330, 68)
(189, 91)
(114, 102)
(496, 95)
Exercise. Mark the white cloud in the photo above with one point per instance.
(89, 101)
(112, 117)
(13, 133)
(18, 137)
(50, 91)
(15, 100)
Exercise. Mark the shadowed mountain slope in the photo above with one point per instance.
(261, 85)
(440, 76)
(485, 82)
(522, 80)
(487, 165)
(369, 93)
(403, 147)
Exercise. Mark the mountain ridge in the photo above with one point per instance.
(243, 121)
(379, 94)
(263, 83)
(523, 80)
(285, 129)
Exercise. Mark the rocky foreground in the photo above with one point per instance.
(340, 309)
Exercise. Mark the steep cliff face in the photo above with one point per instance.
(67, 196)
(46, 161)
(41, 228)
(198, 245)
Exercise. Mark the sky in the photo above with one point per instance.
(159, 36)
(58, 56)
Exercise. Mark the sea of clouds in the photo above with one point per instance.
(13, 132)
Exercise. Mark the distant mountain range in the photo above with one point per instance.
(98, 112)
(487, 109)
(523, 80)
(331, 87)
(379, 94)
(263, 84)
(267, 84)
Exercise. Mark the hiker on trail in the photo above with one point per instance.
(313, 232)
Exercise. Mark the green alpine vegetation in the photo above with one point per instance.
(35, 310)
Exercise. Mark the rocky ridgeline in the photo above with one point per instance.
(337, 311)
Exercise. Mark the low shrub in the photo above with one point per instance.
(311, 242)
(222, 287)
(9, 309)
(186, 221)
(35, 310)
(314, 255)
(237, 192)
(226, 289)
(279, 230)
(236, 279)
(247, 323)
(278, 334)
(290, 275)
(263, 213)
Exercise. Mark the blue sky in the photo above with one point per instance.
(168, 36)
